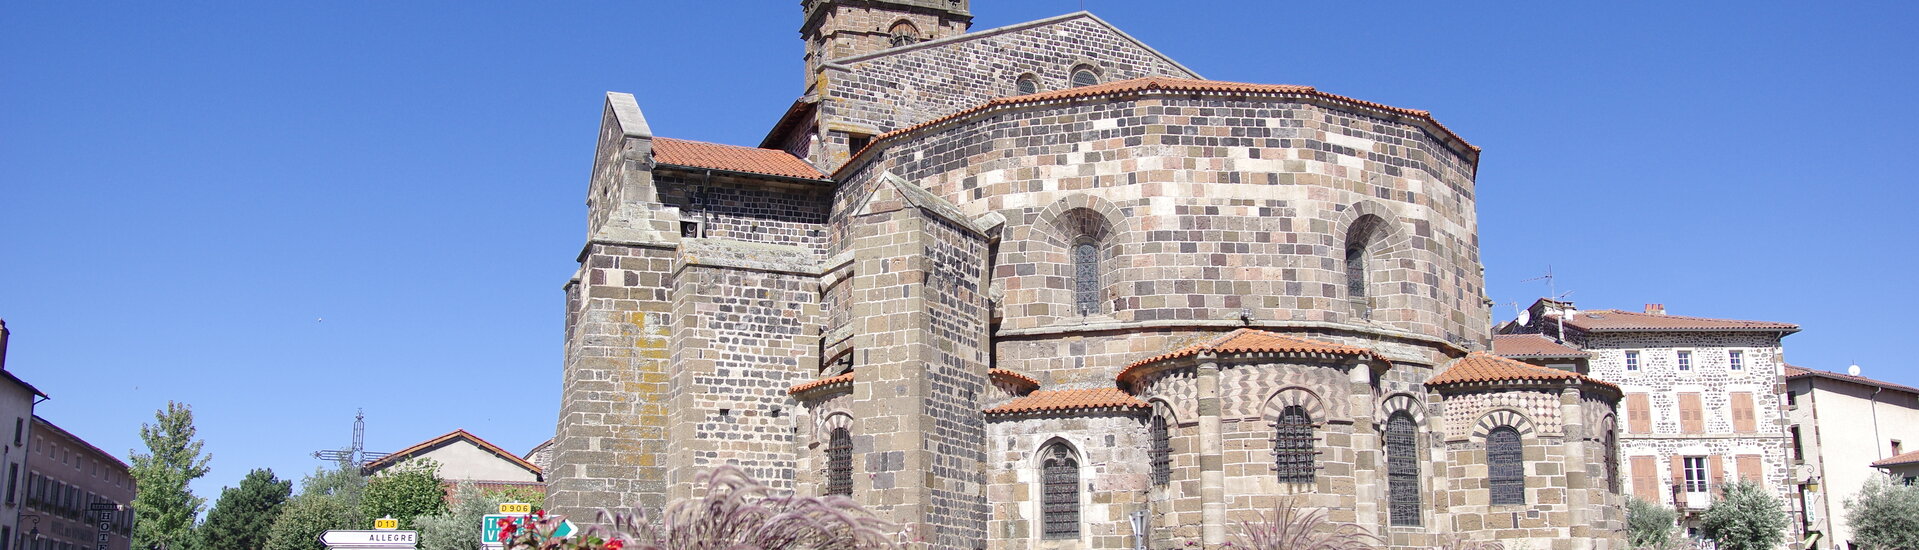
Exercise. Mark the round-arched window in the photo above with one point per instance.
(1084, 76)
(903, 33)
(1028, 84)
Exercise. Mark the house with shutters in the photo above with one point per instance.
(1704, 397)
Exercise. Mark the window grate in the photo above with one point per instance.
(1061, 504)
(839, 463)
(1293, 445)
(1084, 77)
(1505, 466)
(1086, 278)
(1402, 470)
(1028, 85)
(1162, 452)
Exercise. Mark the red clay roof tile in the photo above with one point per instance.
(1532, 345)
(1248, 340)
(1899, 460)
(403, 454)
(699, 154)
(1069, 400)
(1480, 366)
(846, 378)
(1795, 372)
(1014, 376)
(1613, 320)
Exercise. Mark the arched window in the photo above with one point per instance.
(1402, 469)
(1060, 504)
(903, 33)
(1084, 76)
(1293, 445)
(1027, 84)
(1612, 457)
(1162, 452)
(1505, 466)
(1086, 276)
(839, 463)
(1359, 242)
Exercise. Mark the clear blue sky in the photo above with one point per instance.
(187, 188)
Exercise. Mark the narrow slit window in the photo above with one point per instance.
(1402, 470)
(1086, 277)
(839, 463)
(1162, 452)
(1506, 466)
(1060, 506)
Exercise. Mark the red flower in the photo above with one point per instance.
(614, 544)
(540, 514)
(506, 531)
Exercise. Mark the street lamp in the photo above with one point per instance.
(35, 532)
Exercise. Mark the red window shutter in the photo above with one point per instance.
(1690, 420)
(1645, 479)
(1716, 470)
(1639, 413)
(1749, 469)
(1742, 417)
(1678, 471)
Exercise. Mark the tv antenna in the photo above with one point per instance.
(357, 454)
(1552, 284)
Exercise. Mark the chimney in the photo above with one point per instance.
(1656, 309)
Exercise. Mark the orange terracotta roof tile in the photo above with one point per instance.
(1613, 320)
(1014, 376)
(1248, 340)
(1480, 366)
(846, 378)
(1070, 400)
(1168, 84)
(1900, 460)
(403, 454)
(699, 154)
(1532, 345)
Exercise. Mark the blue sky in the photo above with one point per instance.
(187, 189)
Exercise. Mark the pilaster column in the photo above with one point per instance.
(1579, 497)
(1366, 459)
(1212, 454)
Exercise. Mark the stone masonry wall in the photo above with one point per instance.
(612, 425)
(1111, 448)
(739, 209)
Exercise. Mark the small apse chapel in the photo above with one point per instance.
(1011, 287)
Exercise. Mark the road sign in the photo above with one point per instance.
(370, 540)
(490, 528)
(386, 524)
(520, 508)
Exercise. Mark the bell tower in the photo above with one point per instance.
(842, 28)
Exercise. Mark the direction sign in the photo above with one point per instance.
(520, 508)
(370, 540)
(490, 528)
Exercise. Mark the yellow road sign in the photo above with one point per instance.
(516, 508)
(386, 524)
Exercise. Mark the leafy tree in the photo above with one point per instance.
(1885, 514)
(329, 499)
(165, 505)
(242, 516)
(1648, 524)
(459, 527)
(1745, 517)
(407, 491)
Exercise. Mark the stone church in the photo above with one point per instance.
(1019, 288)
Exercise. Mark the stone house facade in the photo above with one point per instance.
(1013, 288)
(1704, 398)
(1845, 429)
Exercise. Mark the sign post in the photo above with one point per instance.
(515, 511)
(380, 539)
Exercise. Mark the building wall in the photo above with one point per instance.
(1711, 377)
(16, 414)
(67, 476)
(461, 460)
(1111, 450)
(1843, 428)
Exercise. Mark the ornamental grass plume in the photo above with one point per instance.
(1461, 542)
(737, 513)
(1293, 528)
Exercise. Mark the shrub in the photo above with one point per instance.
(1649, 525)
(737, 512)
(1745, 517)
(1885, 514)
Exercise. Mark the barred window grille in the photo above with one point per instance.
(1061, 503)
(1028, 84)
(1356, 271)
(1086, 277)
(1162, 452)
(839, 463)
(1505, 466)
(1293, 445)
(1402, 470)
(904, 33)
(1084, 76)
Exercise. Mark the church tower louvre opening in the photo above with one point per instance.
(1009, 320)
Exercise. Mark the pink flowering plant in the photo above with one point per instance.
(737, 513)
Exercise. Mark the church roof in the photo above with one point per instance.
(1168, 84)
(1532, 345)
(456, 435)
(1070, 400)
(1247, 340)
(1014, 376)
(1479, 367)
(1613, 320)
(733, 158)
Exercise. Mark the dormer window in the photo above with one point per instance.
(903, 33)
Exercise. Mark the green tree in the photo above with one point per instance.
(1745, 517)
(1885, 514)
(1649, 525)
(459, 527)
(407, 491)
(242, 516)
(329, 499)
(165, 505)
